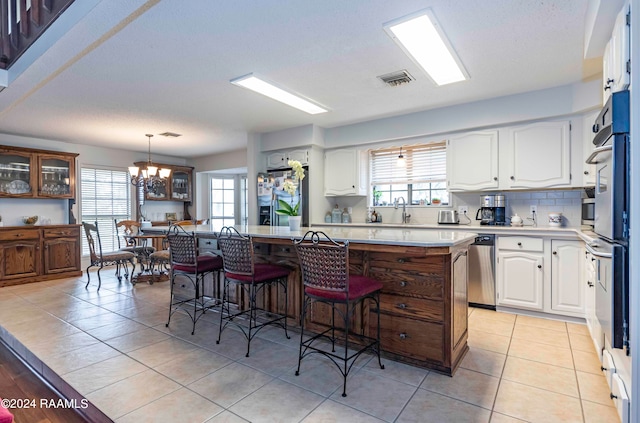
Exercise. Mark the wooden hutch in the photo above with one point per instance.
(43, 252)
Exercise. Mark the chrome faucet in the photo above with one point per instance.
(405, 217)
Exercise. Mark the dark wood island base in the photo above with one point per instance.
(423, 302)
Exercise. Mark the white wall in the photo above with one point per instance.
(501, 111)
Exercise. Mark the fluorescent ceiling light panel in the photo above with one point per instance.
(259, 85)
(422, 39)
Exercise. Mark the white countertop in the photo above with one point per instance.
(371, 234)
(586, 235)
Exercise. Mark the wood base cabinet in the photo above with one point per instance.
(34, 254)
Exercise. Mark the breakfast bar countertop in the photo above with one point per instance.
(372, 235)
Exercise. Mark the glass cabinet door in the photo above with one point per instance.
(56, 176)
(16, 174)
(181, 185)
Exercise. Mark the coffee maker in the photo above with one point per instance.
(492, 210)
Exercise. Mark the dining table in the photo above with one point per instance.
(143, 257)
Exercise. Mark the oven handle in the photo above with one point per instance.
(598, 253)
(596, 151)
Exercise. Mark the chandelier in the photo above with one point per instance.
(150, 177)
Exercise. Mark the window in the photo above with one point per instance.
(422, 181)
(229, 200)
(106, 195)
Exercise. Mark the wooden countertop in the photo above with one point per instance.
(369, 235)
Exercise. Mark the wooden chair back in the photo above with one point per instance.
(128, 228)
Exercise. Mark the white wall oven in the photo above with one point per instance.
(611, 211)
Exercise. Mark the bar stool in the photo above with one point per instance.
(187, 264)
(241, 269)
(326, 279)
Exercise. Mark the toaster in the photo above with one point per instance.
(449, 217)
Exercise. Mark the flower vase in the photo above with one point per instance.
(294, 223)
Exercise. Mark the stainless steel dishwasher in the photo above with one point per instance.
(482, 276)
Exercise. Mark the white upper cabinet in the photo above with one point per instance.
(345, 172)
(615, 72)
(589, 170)
(539, 155)
(472, 161)
(280, 159)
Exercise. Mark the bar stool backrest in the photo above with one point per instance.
(183, 247)
(324, 262)
(237, 251)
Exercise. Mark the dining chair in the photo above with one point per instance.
(128, 230)
(241, 269)
(102, 259)
(326, 279)
(188, 271)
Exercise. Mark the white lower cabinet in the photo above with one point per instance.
(520, 272)
(567, 287)
(589, 284)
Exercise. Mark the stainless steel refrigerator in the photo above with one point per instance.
(270, 190)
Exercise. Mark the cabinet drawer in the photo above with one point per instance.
(62, 232)
(207, 244)
(18, 234)
(409, 284)
(412, 307)
(408, 337)
(520, 243)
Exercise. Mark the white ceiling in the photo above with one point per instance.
(131, 67)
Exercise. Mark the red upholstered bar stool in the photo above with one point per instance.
(240, 269)
(188, 271)
(326, 279)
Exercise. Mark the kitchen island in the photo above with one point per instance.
(423, 302)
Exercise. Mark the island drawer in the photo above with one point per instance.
(408, 337)
(412, 307)
(62, 232)
(19, 234)
(520, 243)
(409, 283)
(408, 262)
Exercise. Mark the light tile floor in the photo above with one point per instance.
(113, 348)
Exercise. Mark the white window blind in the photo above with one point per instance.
(424, 163)
(105, 196)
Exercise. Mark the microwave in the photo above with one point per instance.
(588, 211)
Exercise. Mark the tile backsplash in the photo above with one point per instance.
(567, 202)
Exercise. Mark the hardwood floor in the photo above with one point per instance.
(17, 381)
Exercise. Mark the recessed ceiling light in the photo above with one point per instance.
(422, 38)
(259, 85)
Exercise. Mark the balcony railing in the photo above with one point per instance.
(22, 22)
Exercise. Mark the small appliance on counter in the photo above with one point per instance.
(448, 217)
(492, 210)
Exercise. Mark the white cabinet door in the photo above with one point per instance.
(300, 155)
(472, 161)
(539, 155)
(343, 174)
(277, 160)
(590, 300)
(521, 278)
(589, 170)
(620, 53)
(567, 286)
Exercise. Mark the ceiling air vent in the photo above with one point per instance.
(170, 134)
(397, 78)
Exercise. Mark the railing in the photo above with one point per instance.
(22, 22)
